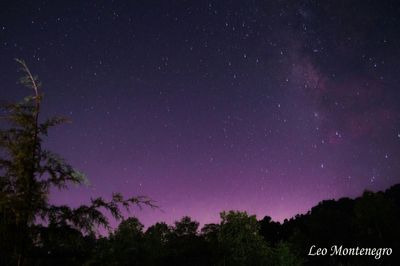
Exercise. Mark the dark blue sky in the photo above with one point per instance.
(215, 105)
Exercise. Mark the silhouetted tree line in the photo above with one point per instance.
(239, 239)
(33, 231)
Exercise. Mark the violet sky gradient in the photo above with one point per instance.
(264, 106)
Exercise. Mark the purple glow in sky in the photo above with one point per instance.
(215, 105)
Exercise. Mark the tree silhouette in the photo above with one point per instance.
(156, 244)
(185, 245)
(127, 242)
(27, 173)
(240, 240)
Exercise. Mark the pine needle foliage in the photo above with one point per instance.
(28, 172)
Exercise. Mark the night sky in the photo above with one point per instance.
(264, 106)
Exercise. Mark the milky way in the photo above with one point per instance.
(215, 105)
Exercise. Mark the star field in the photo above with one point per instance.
(215, 105)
